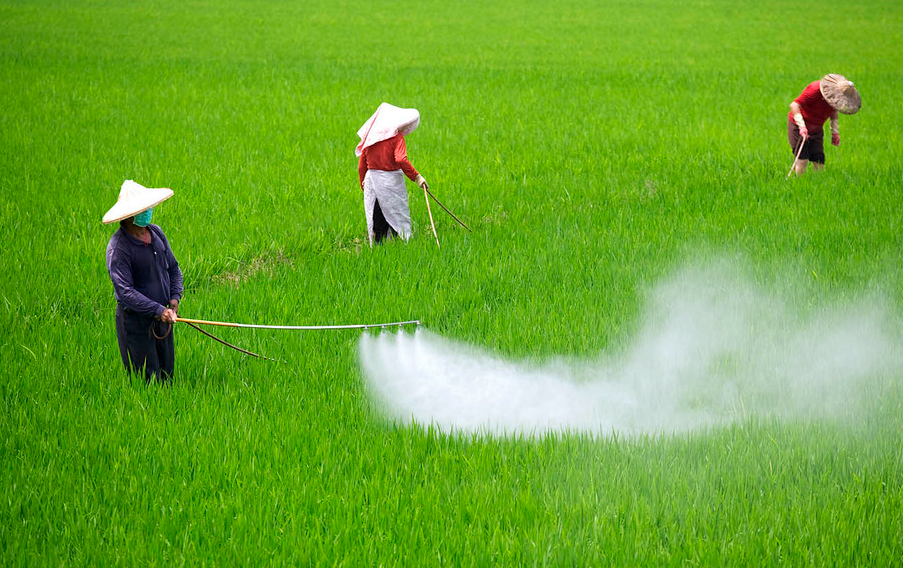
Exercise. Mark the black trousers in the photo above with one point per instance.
(381, 227)
(142, 353)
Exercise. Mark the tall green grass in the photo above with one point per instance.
(594, 147)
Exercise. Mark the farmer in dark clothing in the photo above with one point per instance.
(147, 283)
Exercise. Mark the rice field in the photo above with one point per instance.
(594, 147)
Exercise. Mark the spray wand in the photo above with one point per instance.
(195, 322)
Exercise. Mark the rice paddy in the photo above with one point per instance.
(596, 149)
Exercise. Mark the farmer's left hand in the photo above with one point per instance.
(422, 182)
(835, 139)
(174, 305)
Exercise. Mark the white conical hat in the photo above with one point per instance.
(135, 198)
(386, 122)
(840, 93)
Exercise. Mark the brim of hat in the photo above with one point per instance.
(846, 102)
(411, 126)
(151, 197)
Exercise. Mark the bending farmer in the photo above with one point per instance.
(147, 283)
(819, 101)
(381, 168)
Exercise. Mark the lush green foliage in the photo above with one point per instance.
(593, 147)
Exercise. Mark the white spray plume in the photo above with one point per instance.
(713, 349)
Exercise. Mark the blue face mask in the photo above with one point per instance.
(144, 218)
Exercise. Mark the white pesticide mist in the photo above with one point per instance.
(713, 349)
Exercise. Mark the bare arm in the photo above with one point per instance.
(797, 112)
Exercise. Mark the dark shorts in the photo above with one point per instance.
(813, 149)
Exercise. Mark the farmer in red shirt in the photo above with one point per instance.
(382, 166)
(819, 101)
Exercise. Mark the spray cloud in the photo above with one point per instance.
(713, 349)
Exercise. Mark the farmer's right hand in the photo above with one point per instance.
(169, 315)
(422, 182)
(804, 132)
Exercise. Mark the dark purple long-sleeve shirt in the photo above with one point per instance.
(145, 276)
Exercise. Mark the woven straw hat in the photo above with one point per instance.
(840, 93)
(135, 198)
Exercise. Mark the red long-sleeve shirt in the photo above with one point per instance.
(389, 155)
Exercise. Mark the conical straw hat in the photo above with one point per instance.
(840, 93)
(386, 122)
(135, 198)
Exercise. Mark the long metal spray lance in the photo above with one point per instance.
(194, 323)
(299, 327)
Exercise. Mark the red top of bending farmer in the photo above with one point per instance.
(815, 109)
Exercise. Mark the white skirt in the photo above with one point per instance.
(389, 189)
